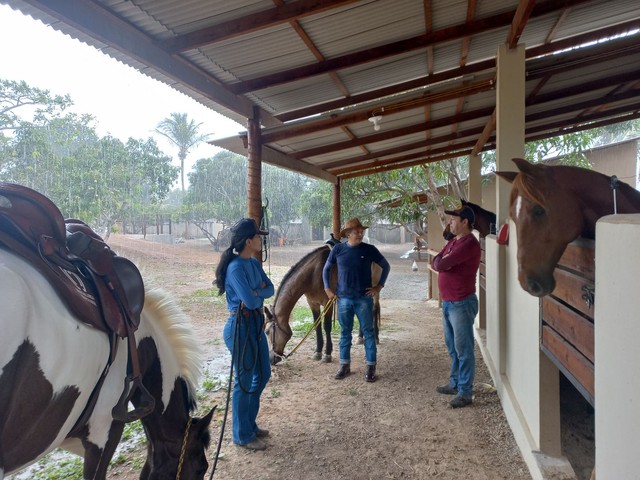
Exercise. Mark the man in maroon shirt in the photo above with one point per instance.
(457, 265)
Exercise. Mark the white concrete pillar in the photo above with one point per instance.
(617, 330)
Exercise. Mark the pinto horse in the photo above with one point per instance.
(56, 389)
(551, 206)
(305, 278)
(484, 220)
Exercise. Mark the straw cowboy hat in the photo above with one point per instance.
(349, 224)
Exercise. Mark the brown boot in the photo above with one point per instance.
(370, 373)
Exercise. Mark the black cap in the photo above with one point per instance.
(463, 212)
(247, 228)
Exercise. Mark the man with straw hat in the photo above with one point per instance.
(355, 293)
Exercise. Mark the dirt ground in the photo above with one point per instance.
(321, 428)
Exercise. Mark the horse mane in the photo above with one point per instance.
(295, 267)
(524, 185)
(176, 326)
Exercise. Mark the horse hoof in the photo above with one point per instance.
(327, 358)
(317, 356)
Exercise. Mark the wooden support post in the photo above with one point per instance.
(254, 170)
(336, 209)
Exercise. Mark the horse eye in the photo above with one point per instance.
(538, 211)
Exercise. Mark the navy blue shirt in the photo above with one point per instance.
(354, 268)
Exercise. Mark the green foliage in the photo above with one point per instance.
(67, 467)
(218, 190)
(132, 430)
(183, 133)
(316, 203)
(98, 180)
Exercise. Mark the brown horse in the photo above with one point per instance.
(305, 278)
(484, 220)
(551, 206)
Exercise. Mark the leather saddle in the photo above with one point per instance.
(100, 288)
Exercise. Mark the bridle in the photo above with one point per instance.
(272, 336)
(185, 439)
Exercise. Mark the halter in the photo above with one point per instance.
(183, 449)
(315, 324)
(272, 336)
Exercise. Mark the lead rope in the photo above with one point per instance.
(183, 449)
(315, 324)
(614, 187)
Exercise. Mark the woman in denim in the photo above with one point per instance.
(355, 293)
(246, 285)
(457, 265)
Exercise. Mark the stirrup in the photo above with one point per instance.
(121, 411)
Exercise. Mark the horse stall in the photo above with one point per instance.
(541, 354)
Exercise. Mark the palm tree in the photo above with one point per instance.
(183, 133)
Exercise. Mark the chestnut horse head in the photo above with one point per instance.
(551, 206)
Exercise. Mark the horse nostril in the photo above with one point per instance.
(533, 287)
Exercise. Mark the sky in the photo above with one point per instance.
(124, 102)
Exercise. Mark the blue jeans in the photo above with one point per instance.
(457, 320)
(252, 370)
(363, 308)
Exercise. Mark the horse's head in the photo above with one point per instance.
(170, 362)
(184, 459)
(446, 234)
(278, 334)
(547, 217)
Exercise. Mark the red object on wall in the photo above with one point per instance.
(503, 235)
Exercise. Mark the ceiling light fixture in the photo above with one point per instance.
(376, 121)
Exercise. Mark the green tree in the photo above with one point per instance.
(183, 133)
(18, 98)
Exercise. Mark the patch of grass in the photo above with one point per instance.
(132, 430)
(353, 392)
(204, 292)
(275, 393)
(65, 468)
(301, 319)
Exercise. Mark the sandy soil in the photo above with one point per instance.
(321, 428)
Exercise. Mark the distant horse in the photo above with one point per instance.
(484, 220)
(551, 206)
(56, 391)
(305, 278)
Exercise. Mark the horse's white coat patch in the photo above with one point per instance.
(518, 205)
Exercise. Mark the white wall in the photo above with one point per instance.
(617, 347)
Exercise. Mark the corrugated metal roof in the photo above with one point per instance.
(326, 71)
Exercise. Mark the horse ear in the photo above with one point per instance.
(525, 166)
(268, 313)
(463, 202)
(203, 423)
(508, 176)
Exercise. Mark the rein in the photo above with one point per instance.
(184, 448)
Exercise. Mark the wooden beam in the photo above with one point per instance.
(249, 23)
(396, 48)
(92, 19)
(273, 157)
(398, 132)
(339, 120)
(520, 19)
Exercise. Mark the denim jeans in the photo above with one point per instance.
(252, 370)
(363, 308)
(457, 320)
